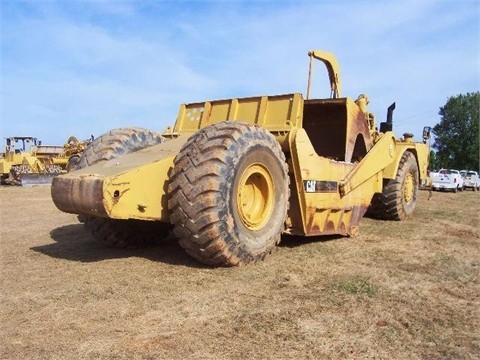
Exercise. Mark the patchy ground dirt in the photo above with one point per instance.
(406, 290)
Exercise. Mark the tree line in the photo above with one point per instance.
(457, 134)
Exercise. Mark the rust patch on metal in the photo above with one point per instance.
(79, 195)
(336, 221)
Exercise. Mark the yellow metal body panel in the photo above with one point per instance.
(317, 206)
(275, 113)
(133, 186)
(421, 152)
(7, 162)
(374, 162)
(141, 191)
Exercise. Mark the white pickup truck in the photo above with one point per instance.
(447, 179)
(470, 180)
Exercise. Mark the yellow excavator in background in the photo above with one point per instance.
(27, 162)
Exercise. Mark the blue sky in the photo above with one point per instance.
(84, 67)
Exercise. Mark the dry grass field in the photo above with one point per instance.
(400, 290)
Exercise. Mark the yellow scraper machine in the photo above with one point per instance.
(233, 175)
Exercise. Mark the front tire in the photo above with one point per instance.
(399, 196)
(229, 192)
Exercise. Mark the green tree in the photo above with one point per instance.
(457, 134)
(433, 161)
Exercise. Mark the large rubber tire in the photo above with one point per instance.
(399, 196)
(126, 234)
(229, 192)
(118, 142)
(114, 232)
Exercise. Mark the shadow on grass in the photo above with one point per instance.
(74, 243)
(292, 241)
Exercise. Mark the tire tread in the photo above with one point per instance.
(195, 192)
(389, 204)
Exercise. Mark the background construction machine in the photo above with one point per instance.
(27, 162)
(233, 175)
(72, 150)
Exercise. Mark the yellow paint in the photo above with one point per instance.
(255, 196)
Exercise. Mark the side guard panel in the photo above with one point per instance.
(319, 208)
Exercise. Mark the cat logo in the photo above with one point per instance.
(319, 186)
(310, 186)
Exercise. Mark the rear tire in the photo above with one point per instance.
(399, 196)
(114, 232)
(229, 192)
(118, 142)
(126, 234)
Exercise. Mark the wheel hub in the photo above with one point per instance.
(255, 196)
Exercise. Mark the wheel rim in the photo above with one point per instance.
(255, 196)
(409, 189)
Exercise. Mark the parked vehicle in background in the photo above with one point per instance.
(470, 180)
(447, 179)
